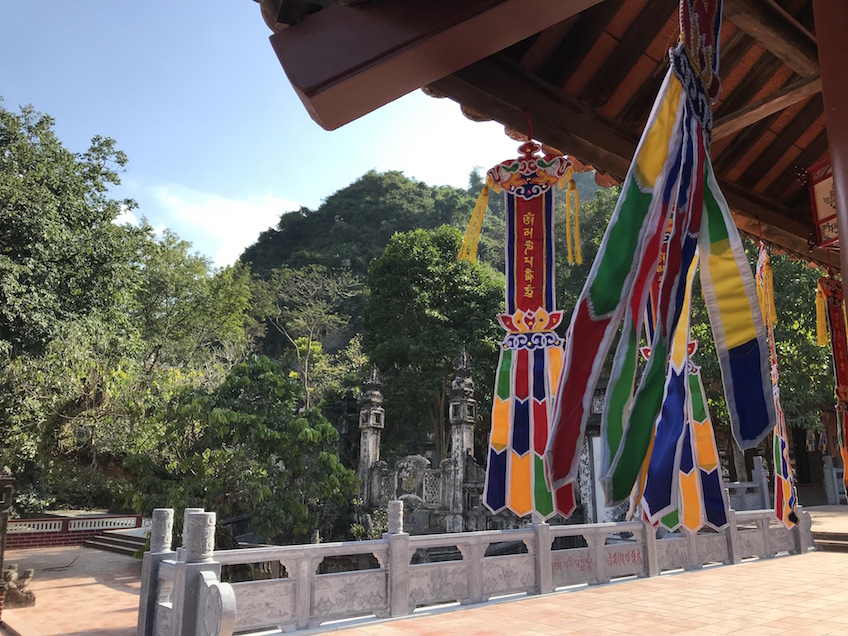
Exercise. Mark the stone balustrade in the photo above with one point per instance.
(56, 531)
(184, 595)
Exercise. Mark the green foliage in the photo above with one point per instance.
(246, 448)
(99, 322)
(61, 257)
(424, 307)
(353, 226)
(805, 375)
(305, 306)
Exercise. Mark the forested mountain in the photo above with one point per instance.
(353, 226)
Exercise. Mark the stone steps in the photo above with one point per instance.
(831, 541)
(116, 542)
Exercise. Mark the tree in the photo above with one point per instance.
(303, 306)
(423, 308)
(61, 257)
(247, 448)
(186, 312)
(353, 225)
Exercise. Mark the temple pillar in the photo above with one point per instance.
(371, 421)
(462, 414)
(831, 17)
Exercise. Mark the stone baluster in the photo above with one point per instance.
(831, 486)
(160, 549)
(732, 534)
(760, 477)
(198, 552)
(541, 549)
(650, 555)
(399, 556)
(186, 513)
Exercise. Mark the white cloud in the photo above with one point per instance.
(126, 216)
(216, 225)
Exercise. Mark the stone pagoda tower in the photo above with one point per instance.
(462, 416)
(371, 422)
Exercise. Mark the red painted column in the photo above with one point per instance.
(831, 31)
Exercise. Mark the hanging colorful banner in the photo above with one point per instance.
(531, 353)
(830, 311)
(784, 484)
(681, 481)
(670, 181)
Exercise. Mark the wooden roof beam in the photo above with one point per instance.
(501, 89)
(346, 61)
(777, 31)
(762, 108)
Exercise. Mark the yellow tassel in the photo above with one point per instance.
(468, 250)
(821, 318)
(572, 205)
(576, 196)
(769, 274)
(844, 317)
(765, 294)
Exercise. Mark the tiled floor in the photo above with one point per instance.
(798, 595)
(97, 594)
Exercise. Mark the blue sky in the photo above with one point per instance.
(219, 145)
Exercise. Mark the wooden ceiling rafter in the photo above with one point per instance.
(756, 111)
(644, 29)
(811, 111)
(497, 84)
(776, 30)
(759, 75)
(545, 44)
(788, 179)
(569, 54)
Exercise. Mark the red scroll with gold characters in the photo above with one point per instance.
(830, 305)
(531, 353)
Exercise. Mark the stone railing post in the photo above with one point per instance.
(731, 532)
(161, 531)
(186, 513)
(198, 546)
(830, 486)
(651, 555)
(760, 477)
(692, 545)
(398, 540)
(6, 482)
(544, 563)
(596, 541)
(802, 532)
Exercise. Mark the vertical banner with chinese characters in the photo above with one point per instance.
(531, 353)
(829, 294)
(784, 484)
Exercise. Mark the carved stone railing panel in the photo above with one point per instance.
(349, 594)
(623, 559)
(265, 603)
(712, 548)
(750, 544)
(573, 566)
(437, 583)
(782, 539)
(508, 574)
(673, 553)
